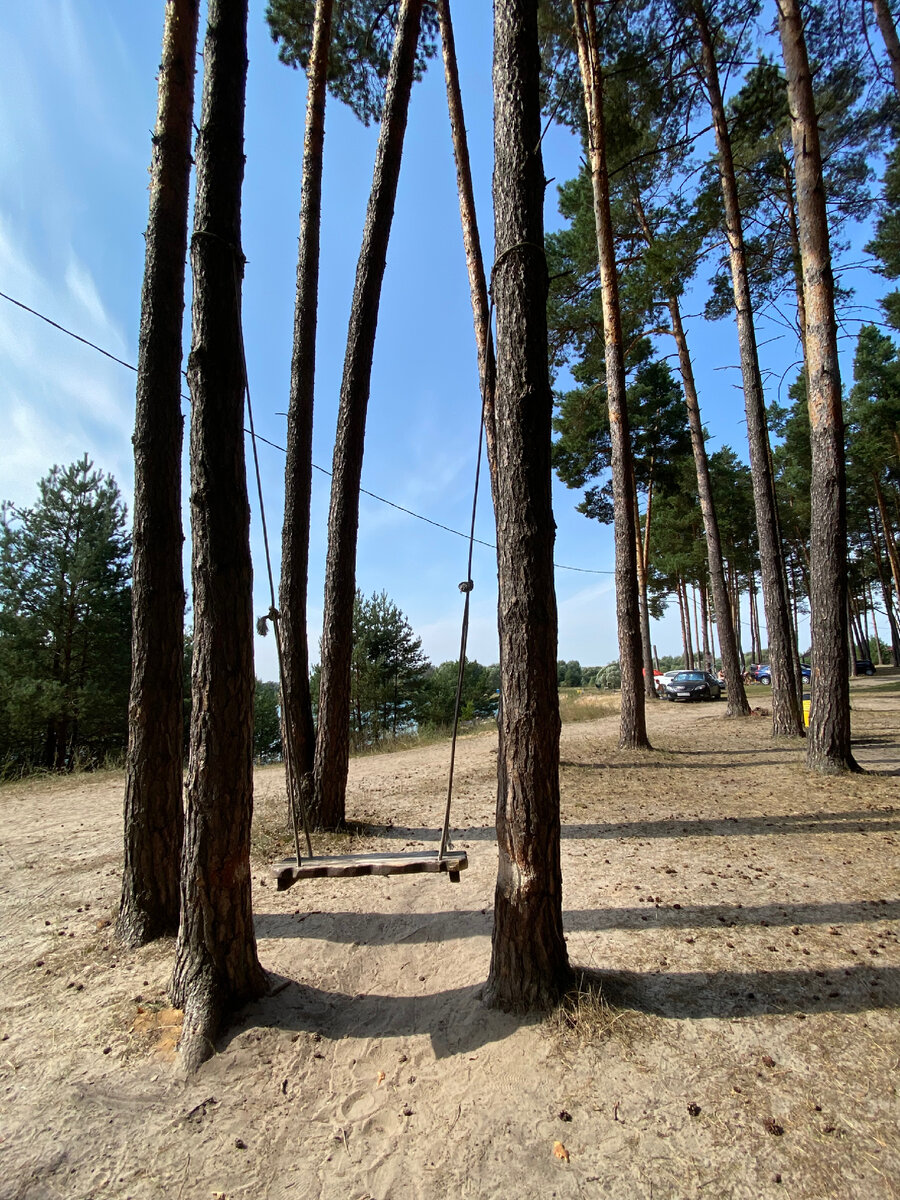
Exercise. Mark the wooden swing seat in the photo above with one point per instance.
(345, 866)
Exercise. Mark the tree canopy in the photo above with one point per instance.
(360, 53)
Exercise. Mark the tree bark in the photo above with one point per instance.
(891, 41)
(529, 962)
(828, 747)
(471, 240)
(216, 967)
(633, 726)
(154, 818)
(333, 732)
(297, 718)
(787, 717)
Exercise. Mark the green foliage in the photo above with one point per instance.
(65, 622)
(569, 674)
(266, 722)
(792, 459)
(478, 701)
(873, 409)
(360, 53)
(886, 243)
(609, 677)
(660, 438)
(760, 125)
(388, 673)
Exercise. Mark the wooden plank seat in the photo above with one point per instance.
(343, 866)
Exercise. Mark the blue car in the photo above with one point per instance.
(764, 673)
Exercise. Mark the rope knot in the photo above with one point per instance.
(466, 586)
(272, 615)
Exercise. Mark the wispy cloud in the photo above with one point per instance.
(59, 397)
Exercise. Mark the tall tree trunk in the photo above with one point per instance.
(787, 717)
(886, 594)
(633, 726)
(332, 734)
(828, 748)
(296, 702)
(471, 240)
(794, 236)
(154, 817)
(216, 967)
(888, 532)
(641, 557)
(708, 665)
(700, 664)
(731, 664)
(884, 581)
(756, 646)
(879, 658)
(529, 961)
(891, 41)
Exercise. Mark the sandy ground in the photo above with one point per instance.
(743, 916)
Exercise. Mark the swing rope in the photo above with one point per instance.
(296, 799)
(295, 793)
(465, 587)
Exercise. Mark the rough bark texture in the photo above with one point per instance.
(633, 726)
(216, 967)
(333, 733)
(471, 240)
(297, 718)
(787, 717)
(154, 819)
(529, 963)
(738, 705)
(891, 41)
(828, 748)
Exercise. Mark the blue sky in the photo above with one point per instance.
(77, 104)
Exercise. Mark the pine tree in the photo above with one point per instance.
(332, 745)
(64, 621)
(154, 768)
(529, 962)
(828, 747)
(787, 719)
(216, 965)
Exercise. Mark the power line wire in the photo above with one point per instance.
(381, 499)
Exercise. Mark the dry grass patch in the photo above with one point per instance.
(586, 1016)
(587, 705)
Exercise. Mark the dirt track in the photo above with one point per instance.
(743, 914)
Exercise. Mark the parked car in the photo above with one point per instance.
(662, 681)
(865, 666)
(694, 685)
(764, 673)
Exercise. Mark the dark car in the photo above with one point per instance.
(693, 685)
(764, 673)
(865, 666)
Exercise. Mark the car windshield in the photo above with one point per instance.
(689, 677)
